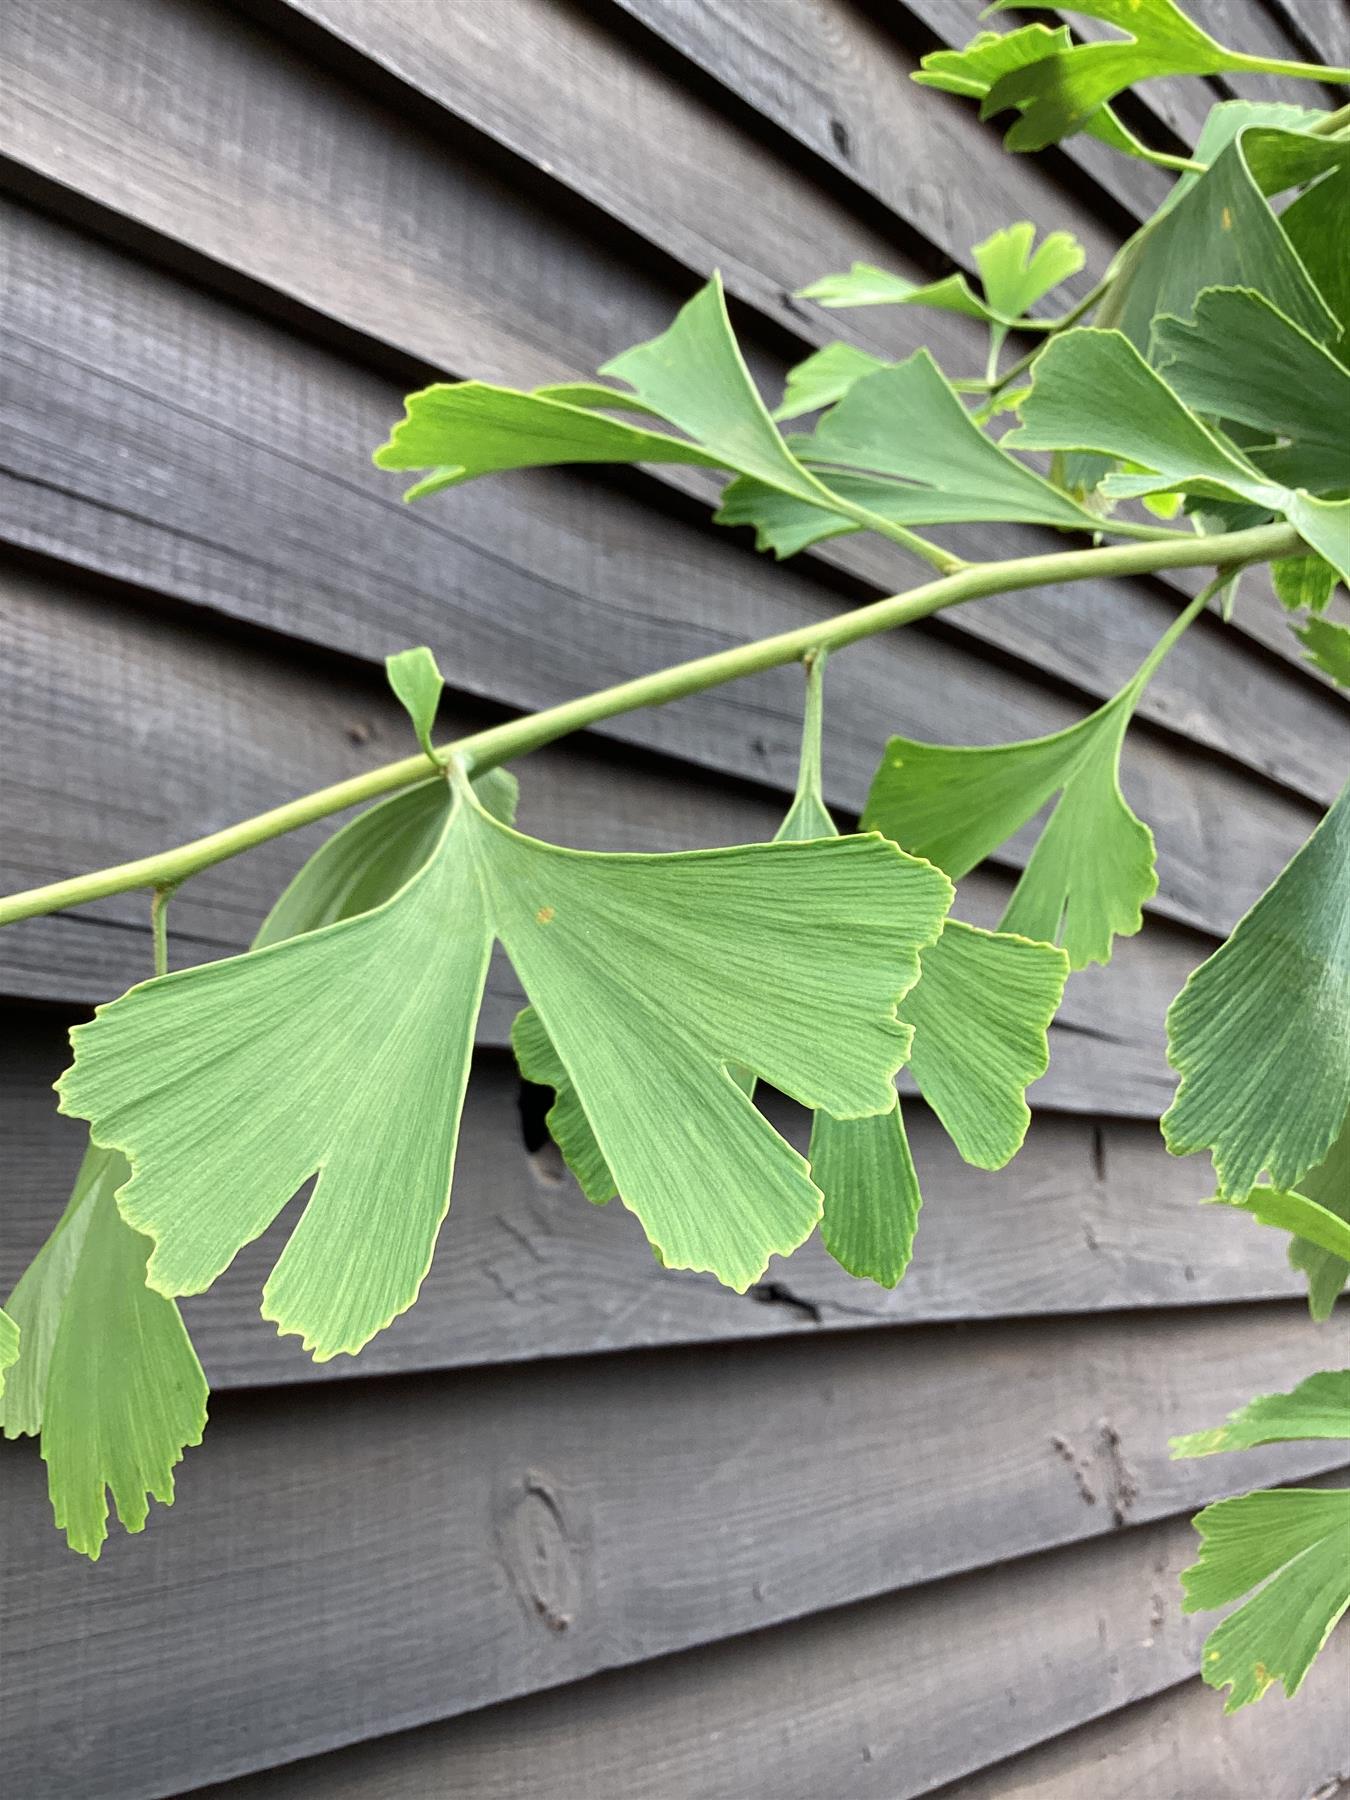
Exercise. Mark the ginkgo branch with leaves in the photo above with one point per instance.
(1188, 411)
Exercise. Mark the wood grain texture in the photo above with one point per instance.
(127, 728)
(1088, 1218)
(879, 1701)
(242, 489)
(1177, 1746)
(392, 1552)
(317, 166)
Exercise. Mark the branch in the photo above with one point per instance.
(502, 743)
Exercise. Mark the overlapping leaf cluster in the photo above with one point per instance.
(1212, 385)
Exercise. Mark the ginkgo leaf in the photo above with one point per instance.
(1260, 1034)
(866, 285)
(1303, 582)
(106, 1373)
(1328, 647)
(1317, 1408)
(9, 1346)
(906, 422)
(900, 443)
(1314, 225)
(1292, 1546)
(1092, 391)
(1061, 91)
(1240, 359)
(346, 1052)
(980, 1014)
(1327, 1186)
(823, 377)
(1218, 229)
(1012, 275)
(417, 682)
(1292, 1211)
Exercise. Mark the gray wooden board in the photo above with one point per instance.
(1179, 1745)
(392, 1552)
(1324, 24)
(837, 79)
(495, 65)
(403, 282)
(125, 729)
(882, 1700)
(221, 463)
(1088, 1217)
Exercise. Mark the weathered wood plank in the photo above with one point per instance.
(326, 193)
(1179, 1745)
(880, 1701)
(394, 1552)
(833, 79)
(837, 79)
(1090, 1217)
(224, 466)
(1321, 30)
(126, 728)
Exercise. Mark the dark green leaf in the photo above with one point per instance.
(1260, 1034)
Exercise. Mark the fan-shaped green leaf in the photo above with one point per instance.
(648, 974)
(1318, 1408)
(1062, 91)
(1092, 868)
(106, 1372)
(1296, 1542)
(417, 682)
(1013, 277)
(1303, 582)
(1260, 1034)
(1328, 647)
(980, 1013)
(9, 1346)
(866, 285)
(823, 377)
(1314, 1223)
(1328, 1186)
(1218, 229)
(1240, 359)
(1314, 224)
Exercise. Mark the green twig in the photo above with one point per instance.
(159, 927)
(517, 737)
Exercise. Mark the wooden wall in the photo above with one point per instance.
(577, 1526)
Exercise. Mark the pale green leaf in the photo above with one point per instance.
(1092, 868)
(1328, 647)
(1218, 229)
(106, 1373)
(1242, 360)
(1260, 1034)
(1015, 277)
(1295, 1541)
(906, 422)
(1303, 582)
(1318, 1408)
(1328, 1186)
(695, 377)
(1061, 92)
(1291, 1211)
(9, 1346)
(824, 377)
(649, 975)
(980, 1012)
(865, 1171)
(1325, 524)
(866, 285)
(460, 430)
(973, 70)
(1092, 390)
(567, 1123)
(417, 683)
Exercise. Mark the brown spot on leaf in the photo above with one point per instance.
(544, 915)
